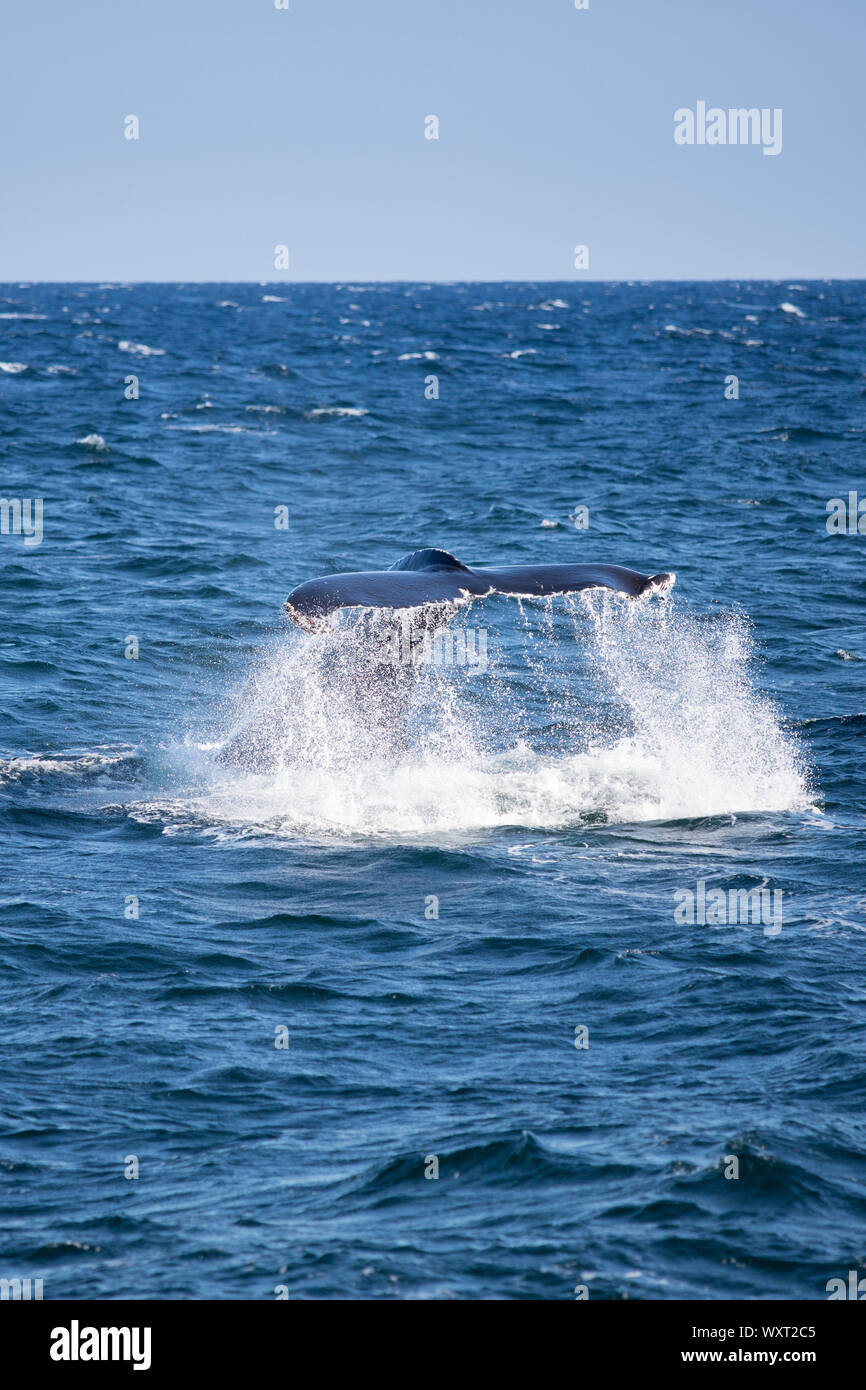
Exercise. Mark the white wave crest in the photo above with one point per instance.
(88, 766)
(337, 411)
(140, 349)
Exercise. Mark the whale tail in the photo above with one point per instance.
(388, 618)
(431, 576)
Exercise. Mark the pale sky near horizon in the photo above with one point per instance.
(305, 127)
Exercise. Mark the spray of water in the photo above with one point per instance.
(599, 709)
(700, 738)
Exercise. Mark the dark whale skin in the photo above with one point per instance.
(434, 576)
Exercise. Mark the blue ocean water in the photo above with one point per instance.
(434, 928)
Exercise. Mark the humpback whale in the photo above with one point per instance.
(435, 576)
(359, 673)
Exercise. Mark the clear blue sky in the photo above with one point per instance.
(306, 127)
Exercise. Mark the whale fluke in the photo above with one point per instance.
(434, 576)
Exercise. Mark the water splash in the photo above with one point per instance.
(702, 739)
(597, 709)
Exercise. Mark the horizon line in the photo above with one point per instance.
(529, 280)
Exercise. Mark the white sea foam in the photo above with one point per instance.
(93, 441)
(792, 309)
(207, 429)
(75, 766)
(140, 349)
(688, 332)
(13, 368)
(336, 410)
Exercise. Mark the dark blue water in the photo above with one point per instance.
(549, 807)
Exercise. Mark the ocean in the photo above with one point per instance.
(444, 1015)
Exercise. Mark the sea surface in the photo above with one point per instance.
(249, 1013)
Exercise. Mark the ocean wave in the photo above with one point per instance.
(210, 429)
(829, 723)
(79, 767)
(506, 1160)
(325, 412)
(277, 370)
(677, 332)
(140, 349)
